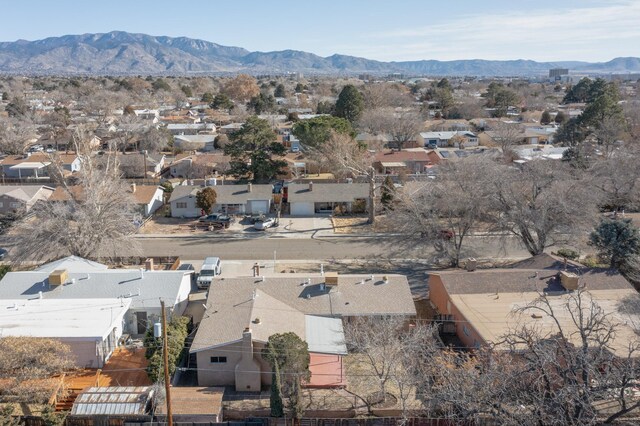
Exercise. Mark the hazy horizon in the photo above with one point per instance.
(587, 30)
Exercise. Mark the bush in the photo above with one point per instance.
(177, 332)
(568, 253)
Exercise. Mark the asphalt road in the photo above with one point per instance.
(344, 247)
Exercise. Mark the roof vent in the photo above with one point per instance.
(331, 279)
(58, 277)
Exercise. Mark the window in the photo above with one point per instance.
(465, 330)
(1, 204)
(218, 359)
(181, 205)
(14, 205)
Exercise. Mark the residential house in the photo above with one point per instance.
(26, 167)
(191, 129)
(148, 198)
(241, 314)
(308, 199)
(195, 142)
(411, 161)
(197, 166)
(479, 305)
(91, 327)
(22, 198)
(447, 139)
(231, 199)
(142, 288)
(36, 166)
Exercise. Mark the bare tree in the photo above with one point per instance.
(401, 126)
(385, 95)
(570, 365)
(16, 135)
(618, 179)
(506, 135)
(609, 135)
(443, 212)
(346, 157)
(93, 219)
(388, 358)
(542, 204)
(241, 88)
(26, 363)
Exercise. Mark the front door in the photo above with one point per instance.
(141, 319)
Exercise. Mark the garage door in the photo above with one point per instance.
(302, 209)
(258, 206)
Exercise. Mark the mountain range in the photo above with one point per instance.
(123, 53)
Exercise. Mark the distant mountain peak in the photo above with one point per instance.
(121, 52)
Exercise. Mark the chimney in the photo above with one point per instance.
(247, 344)
(148, 264)
(133, 188)
(249, 187)
(569, 280)
(310, 186)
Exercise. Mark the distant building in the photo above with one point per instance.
(557, 73)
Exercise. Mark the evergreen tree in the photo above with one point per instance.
(388, 193)
(350, 104)
(545, 118)
(280, 91)
(617, 241)
(316, 131)
(289, 357)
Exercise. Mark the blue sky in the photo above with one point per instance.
(590, 30)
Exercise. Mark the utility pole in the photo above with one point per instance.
(144, 172)
(165, 350)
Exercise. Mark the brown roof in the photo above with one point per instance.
(142, 195)
(40, 157)
(525, 280)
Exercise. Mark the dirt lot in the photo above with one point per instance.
(358, 224)
(172, 225)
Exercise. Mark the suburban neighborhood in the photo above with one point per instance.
(275, 238)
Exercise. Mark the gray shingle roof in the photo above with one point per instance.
(327, 192)
(281, 303)
(227, 194)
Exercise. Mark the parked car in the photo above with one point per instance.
(254, 217)
(3, 253)
(263, 224)
(211, 268)
(214, 218)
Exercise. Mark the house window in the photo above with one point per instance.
(181, 205)
(465, 330)
(1, 204)
(14, 205)
(218, 360)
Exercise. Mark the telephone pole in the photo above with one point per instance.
(165, 350)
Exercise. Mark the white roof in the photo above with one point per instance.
(72, 264)
(325, 335)
(445, 135)
(82, 319)
(30, 165)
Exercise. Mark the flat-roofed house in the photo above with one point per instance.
(90, 327)
(87, 281)
(480, 304)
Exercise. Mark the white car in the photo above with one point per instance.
(263, 224)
